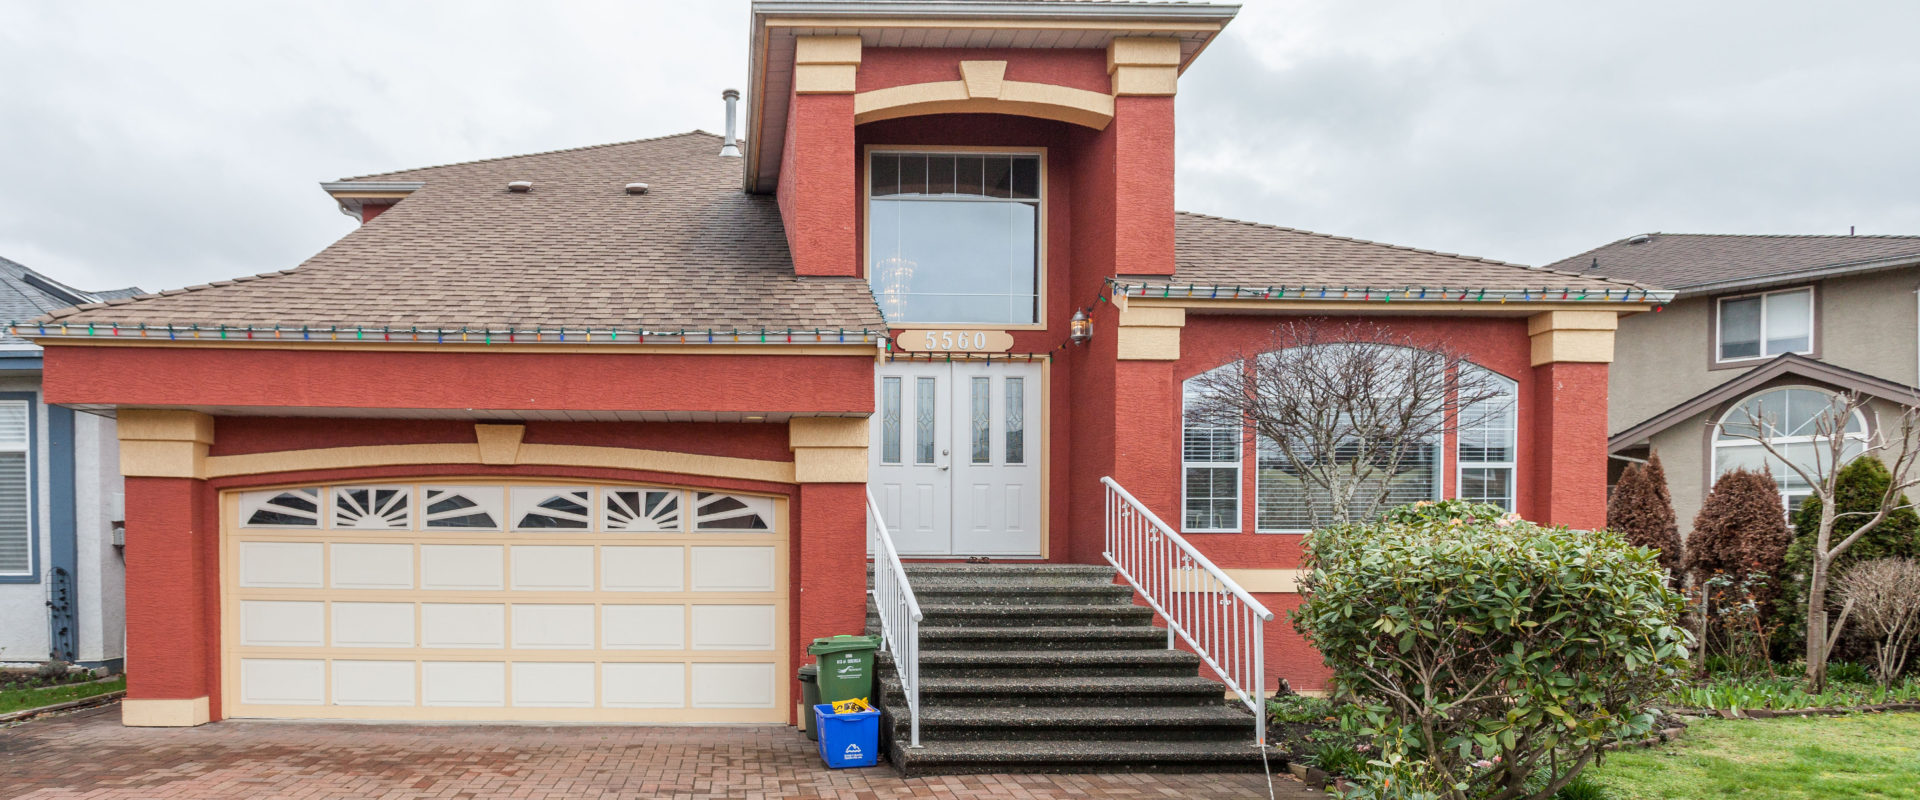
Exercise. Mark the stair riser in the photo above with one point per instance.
(1117, 698)
(987, 619)
(1088, 672)
(914, 768)
(1032, 596)
(1005, 639)
(1075, 733)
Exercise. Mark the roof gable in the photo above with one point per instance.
(1787, 365)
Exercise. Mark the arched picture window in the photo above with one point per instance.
(1790, 421)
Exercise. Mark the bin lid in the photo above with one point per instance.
(843, 643)
(809, 672)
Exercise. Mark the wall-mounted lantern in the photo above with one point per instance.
(1080, 328)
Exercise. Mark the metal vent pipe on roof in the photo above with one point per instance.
(730, 149)
(521, 187)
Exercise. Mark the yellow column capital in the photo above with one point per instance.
(1572, 336)
(825, 64)
(163, 443)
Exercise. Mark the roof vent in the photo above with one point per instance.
(730, 149)
(1640, 239)
(520, 187)
(636, 188)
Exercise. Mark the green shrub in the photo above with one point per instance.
(1467, 635)
(1340, 759)
(1581, 789)
(1858, 488)
(1299, 708)
(1849, 672)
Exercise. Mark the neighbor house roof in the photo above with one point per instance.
(25, 294)
(1786, 365)
(1694, 263)
(1250, 259)
(693, 253)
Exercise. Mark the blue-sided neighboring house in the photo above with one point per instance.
(61, 570)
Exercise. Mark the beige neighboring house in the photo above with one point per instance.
(1778, 323)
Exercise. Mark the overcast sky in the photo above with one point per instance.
(166, 144)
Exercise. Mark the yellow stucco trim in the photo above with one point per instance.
(131, 339)
(164, 713)
(1275, 581)
(163, 443)
(499, 444)
(566, 455)
(1584, 336)
(827, 432)
(1144, 66)
(826, 64)
(828, 449)
(1144, 333)
(1018, 98)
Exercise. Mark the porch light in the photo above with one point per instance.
(1080, 328)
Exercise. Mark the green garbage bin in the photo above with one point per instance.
(846, 667)
(809, 694)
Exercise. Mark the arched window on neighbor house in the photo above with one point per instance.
(1789, 418)
(1212, 463)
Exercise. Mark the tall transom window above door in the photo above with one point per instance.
(954, 237)
(1764, 325)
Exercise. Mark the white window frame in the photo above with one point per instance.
(1039, 227)
(1237, 465)
(1512, 465)
(1719, 315)
(1786, 497)
(25, 447)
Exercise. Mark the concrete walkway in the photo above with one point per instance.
(89, 754)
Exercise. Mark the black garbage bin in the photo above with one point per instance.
(809, 694)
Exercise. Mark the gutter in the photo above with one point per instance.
(485, 335)
(1044, 10)
(1383, 294)
(1800, 275)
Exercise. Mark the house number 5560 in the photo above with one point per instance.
(952, 341)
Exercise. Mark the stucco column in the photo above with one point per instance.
(830, 534)
(172, 563)
(1571, 351)
(819, 187)
(1145, 76)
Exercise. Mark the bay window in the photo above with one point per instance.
(954, 238)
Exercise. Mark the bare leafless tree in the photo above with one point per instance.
(1885, 597)
(1345, 407)
(1896, 442)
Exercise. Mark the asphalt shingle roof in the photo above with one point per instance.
(26, 294)
(1215, 251)
(693, 253)
(1685, 260)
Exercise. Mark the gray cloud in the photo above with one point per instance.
(169, 144)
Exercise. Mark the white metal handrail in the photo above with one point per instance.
(1223, 624)
(899, 611)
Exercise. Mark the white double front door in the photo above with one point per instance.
(955, 457)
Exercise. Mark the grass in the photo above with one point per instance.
(1787, 692)
(1829, 758)
(21, 699)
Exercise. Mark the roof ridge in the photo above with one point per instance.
(1780, 235)
(1420, 250)
(694, 132)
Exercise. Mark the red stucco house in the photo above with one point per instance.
(589, 435)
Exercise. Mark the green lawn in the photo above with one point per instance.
(1829, 758)
(21, 699)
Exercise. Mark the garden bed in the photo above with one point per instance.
(20, 702)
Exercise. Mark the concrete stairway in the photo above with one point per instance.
(1052, 668)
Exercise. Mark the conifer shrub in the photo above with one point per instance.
(1641, 509)
(1489, 657)
(1741, 530)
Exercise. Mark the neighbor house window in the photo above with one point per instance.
(1766, 325)
(1488, 434)
(1789, 420)
(1209, 472)
(16, 528)
(954, 237)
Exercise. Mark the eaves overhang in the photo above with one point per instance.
(1389, 297)
(354, 195)
(1798, 276)
(1790, 365)
(1041, 24)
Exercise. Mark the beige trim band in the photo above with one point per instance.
(1572, 336)
(163, 443)
(1262, 581)
(828, 449)
(1019, 98)
(1146, 333)
(556, 455)
(164, 713)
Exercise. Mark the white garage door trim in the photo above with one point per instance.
(347, 602)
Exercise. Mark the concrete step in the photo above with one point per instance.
(1042, 724)
(1043, 637)
(1159, 663)
(1058, 692)
(1008, 592)
(976, 757)
(1036, 573)
(949, 615)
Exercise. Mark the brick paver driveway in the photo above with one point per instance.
(89, 754)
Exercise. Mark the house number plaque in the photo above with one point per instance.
(937, 340)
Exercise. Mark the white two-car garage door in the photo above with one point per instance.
(489, 600)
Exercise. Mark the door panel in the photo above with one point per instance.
(955, 464)
(910, 468)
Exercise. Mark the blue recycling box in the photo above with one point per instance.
(847, 740)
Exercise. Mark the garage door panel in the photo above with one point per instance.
(463, 625)
(464, 684)
(279, 623)
(734, 627)
(462, 567)
(358, 565)
(734, 569)
(373, 683)
(539, 684)
(550, 568)
(643, 569)
(373, 624)
(471, 601)
(283, 681)
(722, 685)
(539, 626)
(643, 627)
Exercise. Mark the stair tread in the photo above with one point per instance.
(944, 657)
(1018, 751)
(1036, 608)
(1081, 685)
(1094, 715)
(1036, 630)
